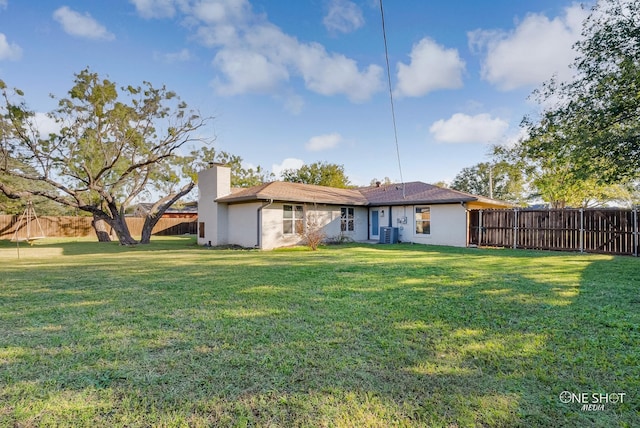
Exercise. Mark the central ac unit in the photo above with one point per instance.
(388, 235)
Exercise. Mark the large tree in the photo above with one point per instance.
(318, 173)
(499, 180)
(592, 123)
(559, 186)
(555, 180)
(113, 145)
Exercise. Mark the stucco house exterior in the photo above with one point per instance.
(270, 215)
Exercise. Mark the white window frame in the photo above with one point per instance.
(292, 223)
(347, 219)
(418, 217)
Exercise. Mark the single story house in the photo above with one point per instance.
(271, 215)
(188, 211)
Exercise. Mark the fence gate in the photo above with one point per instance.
(595, 230)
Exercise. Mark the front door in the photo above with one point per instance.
(375, 227)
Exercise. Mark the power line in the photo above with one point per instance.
(393, 110)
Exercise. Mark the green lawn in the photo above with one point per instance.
(171, 334)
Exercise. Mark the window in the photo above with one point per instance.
(201, 229)
(292, 219)
(347, 216)
(423, 220)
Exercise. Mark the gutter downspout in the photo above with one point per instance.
(467, 222)
(259, 222)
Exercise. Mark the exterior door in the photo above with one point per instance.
(375, 226)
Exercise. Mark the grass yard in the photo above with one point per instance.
(171, 334)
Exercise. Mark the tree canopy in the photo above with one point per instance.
(113, 145)
(375, 181)
(591, 125)
(318, 173)
(498, 180)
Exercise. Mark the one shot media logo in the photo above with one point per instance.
(592, 401)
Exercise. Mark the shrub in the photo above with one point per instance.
(313, 234)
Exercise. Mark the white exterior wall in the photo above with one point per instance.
(332, 222)
(383, 221)
(328, 216)
(213, 183)
(243, 224)
(448, 225)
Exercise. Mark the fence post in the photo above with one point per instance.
(480, 231)
(635, 231)
(515, 228)
(582, 230)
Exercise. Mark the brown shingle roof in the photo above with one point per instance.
(414, 192)
(296, 192)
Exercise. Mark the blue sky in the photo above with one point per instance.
(293, 82)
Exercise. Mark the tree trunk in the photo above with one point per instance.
(122, 230)
(147, 228)
(101, 230)
(117, 224)
(159, 209)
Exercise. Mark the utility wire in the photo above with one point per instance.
(393, 111)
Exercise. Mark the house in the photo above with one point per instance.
(270, 215)
(189, 210)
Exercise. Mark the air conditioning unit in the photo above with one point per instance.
(388, 235)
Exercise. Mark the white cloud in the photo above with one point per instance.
(155, 8)
(264, 56)
(288, 163)
(3, 4)
(45, 125)
(323, 142)
(432, 67)
(537, 49)
(247, 71)
(9, 51)
(511, 140)
(293, 103)
(218, 35)
(222, 11)
(182, 55)
(254, 56)
(462, 128)
(333, 74)
(77, 24)
(343, 16)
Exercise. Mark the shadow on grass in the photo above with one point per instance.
(88, 246)
(352, 336)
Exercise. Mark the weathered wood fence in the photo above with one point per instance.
(608, 231)
(81, 226)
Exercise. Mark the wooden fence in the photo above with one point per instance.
(608, 231)
(81, 226)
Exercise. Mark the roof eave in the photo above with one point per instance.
(254, 198)
(227, 200)
(422, 202)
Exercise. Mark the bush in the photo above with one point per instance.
(339, 239)
(313, 233)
